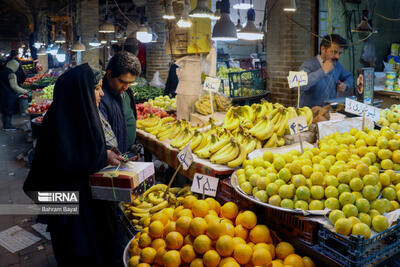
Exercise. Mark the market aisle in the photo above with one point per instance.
(12, 176)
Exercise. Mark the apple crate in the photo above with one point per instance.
(356, 251)
(292, 226)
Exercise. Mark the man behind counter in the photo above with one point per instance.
(326, 76)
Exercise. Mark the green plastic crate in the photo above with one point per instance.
(246, 83)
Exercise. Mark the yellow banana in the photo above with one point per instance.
(197, 137)
(240, 158)
(145, 205)
(174, 190)
(138, 210)
(154, 199)
(157, 187)
(281, 141)
(204, 142)
(167, 119)
(136, 202)
(228, 156)
(221, 143)
(251, 145)
(140, 215)
(185, 140)
(283, 125)
(272, 141)
(160, 206)
(259, 144)
(266, 131)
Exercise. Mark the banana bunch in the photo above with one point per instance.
(306, 112)
(223, 103)
(153, 200)
(154, 124)
(220, 103)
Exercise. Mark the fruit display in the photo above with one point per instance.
(224, 71)
(390, 118)
(353, 174)
(40, 80)
(41, 108)
(146, 92)
(155, 199)
(204, 233)
(220, 103)
(144, 110)
(321, 113)
(163, 102)
(48, 92)
(267, 122)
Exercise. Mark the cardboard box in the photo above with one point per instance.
(129, 175)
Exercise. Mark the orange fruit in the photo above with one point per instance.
(169, 212)
(225, 245)
(237, 219)
(261, 245)
(188, 240)
(229, 210)
(156, 229)
(144, 240)
(197, 263)
(159, 216)
(170, 227)
(158, 243)
(215, 230)
(214, 205)
(212, 212)
(261, 257)
(226, 260)
(147, 255)
(189, 201)
(272, 250)
(283, 249)
(159, 255)
(230, 229)
(185, 212)
(134, 261)
(242, 253)
(198, 226)
(276, 263)
(260, 234)
(145, 230)
(231, 264)
(201, 244)
(143, 265)
(237, 241)
(174, 240)
(172, 259)
(294, 260)
(200, 208)
(240, 231)
(187, 253)
(182, 225)
(211, 258)
(251, 244)
(308, 262)
(211, 218)
(176, 211)
(248, 219)
(135, 251)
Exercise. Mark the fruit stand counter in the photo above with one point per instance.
(388, 97)
(169, 156)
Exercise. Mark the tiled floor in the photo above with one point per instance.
(12, 176)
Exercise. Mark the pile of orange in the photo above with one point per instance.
(202, 233)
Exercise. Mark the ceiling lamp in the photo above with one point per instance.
(95, 42)
(78, 46)
(217, 13)
(184, 21)
(60, 39)
(243, 5)
(201, 10)
(289, 5)
(169, 11)
(106, 26)
(239, 26)
(118, 35)
(250, 31)
(144, 33)
(224, 29)
(61, 55)
(41, 51)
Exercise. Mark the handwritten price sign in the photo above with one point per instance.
(298, 125)
(204, 183)
(297, 78)
(212, 84)
(185, 157)
(357, 108)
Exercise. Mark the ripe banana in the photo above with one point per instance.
(266, 131)
(197, 137)
(145, 205)
(240, 158)
(160, 206)
(204, 141)
(157, 187)
(221, 143)
(272, 141)
(228, 156)
(281, 141)
(154, 199)
(251, 145)
(283, 125)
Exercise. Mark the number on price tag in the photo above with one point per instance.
(297, 78)
(357, 108)
(204, 182)
(212, 84)
(298, 124)
(185, 157)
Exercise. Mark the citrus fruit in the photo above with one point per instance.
(226, 260)
(237, 241)
(156, 229)
(361, 229)
(160, 216)
(158, 243)
(183, 224)
(213, 204)
(283, 249)
(225, 245)
(229, 210)
(147, 255)
(134, 261)
(215, 230)
(240, 231)
(308, 262)
(174, 240)
(197, 226)
(242, 253)
(197, 263)
(294, 260)
(211, 258)
(247, 219)
(350, 210)
(200, 208)
(144, 240)
(261, 257)
(201, 244)
(343, 226)
(172, 259)
(380, 223)
(260, 233)
(187, 253)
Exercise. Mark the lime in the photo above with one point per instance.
(371, 179)
(247, 188)
(350, 210)
(287, 203)
(272, 189)
(301, 204)
(346, 198)
(279, 163)
(365, 218)
(268, 156)
(261, 195)
(380, 223)
(303, 193)
(356, 184)
(286, 191)
(361, 229)
(343, 226)
(370, 192)
(285, 174)
(332, 203)
(317, 192)
(362, 205)
(335, 215)
(331, 180)
(389, 193)
(317, 178)
(275, 200)
(331, 191)
(343, 188)
(316, 205)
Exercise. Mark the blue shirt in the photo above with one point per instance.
(322, 86)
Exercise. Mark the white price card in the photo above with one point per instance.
(357, 108)
(297, 124)
(185, 157)
(212, 84)
(204, 183)
(297, 78)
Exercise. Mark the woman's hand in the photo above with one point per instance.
(113, 158)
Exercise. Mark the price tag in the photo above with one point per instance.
(185, 157)
(204, 183)
(298, 125)
(212, 84)
(357, 108)
(297, 78)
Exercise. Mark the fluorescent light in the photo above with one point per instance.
(201, 10)
(289, 5)
(224, 29)
(243, 5)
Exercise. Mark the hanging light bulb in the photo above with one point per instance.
(106, 26)
(289, 5)
(78, 46)
(217, 13)
(239, 26)
(250, 31)
(201, 10)
(61, 55)
(60, 39)
(169, 11)
(243, 5)
(143, 34)
(224, 29)
(184, 21)
(95, 42)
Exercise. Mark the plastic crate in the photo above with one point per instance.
(226, 193)
(292, 226)
(355, 251)
(246, 83)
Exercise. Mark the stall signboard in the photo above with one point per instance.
(298, 125)
(297, 78)
(212, 84)
(185, 157)
(204, 184)
(365, 86)
(357, 108)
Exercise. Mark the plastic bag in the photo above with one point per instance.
(369, 52)
(387, 67)
(156, 81)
